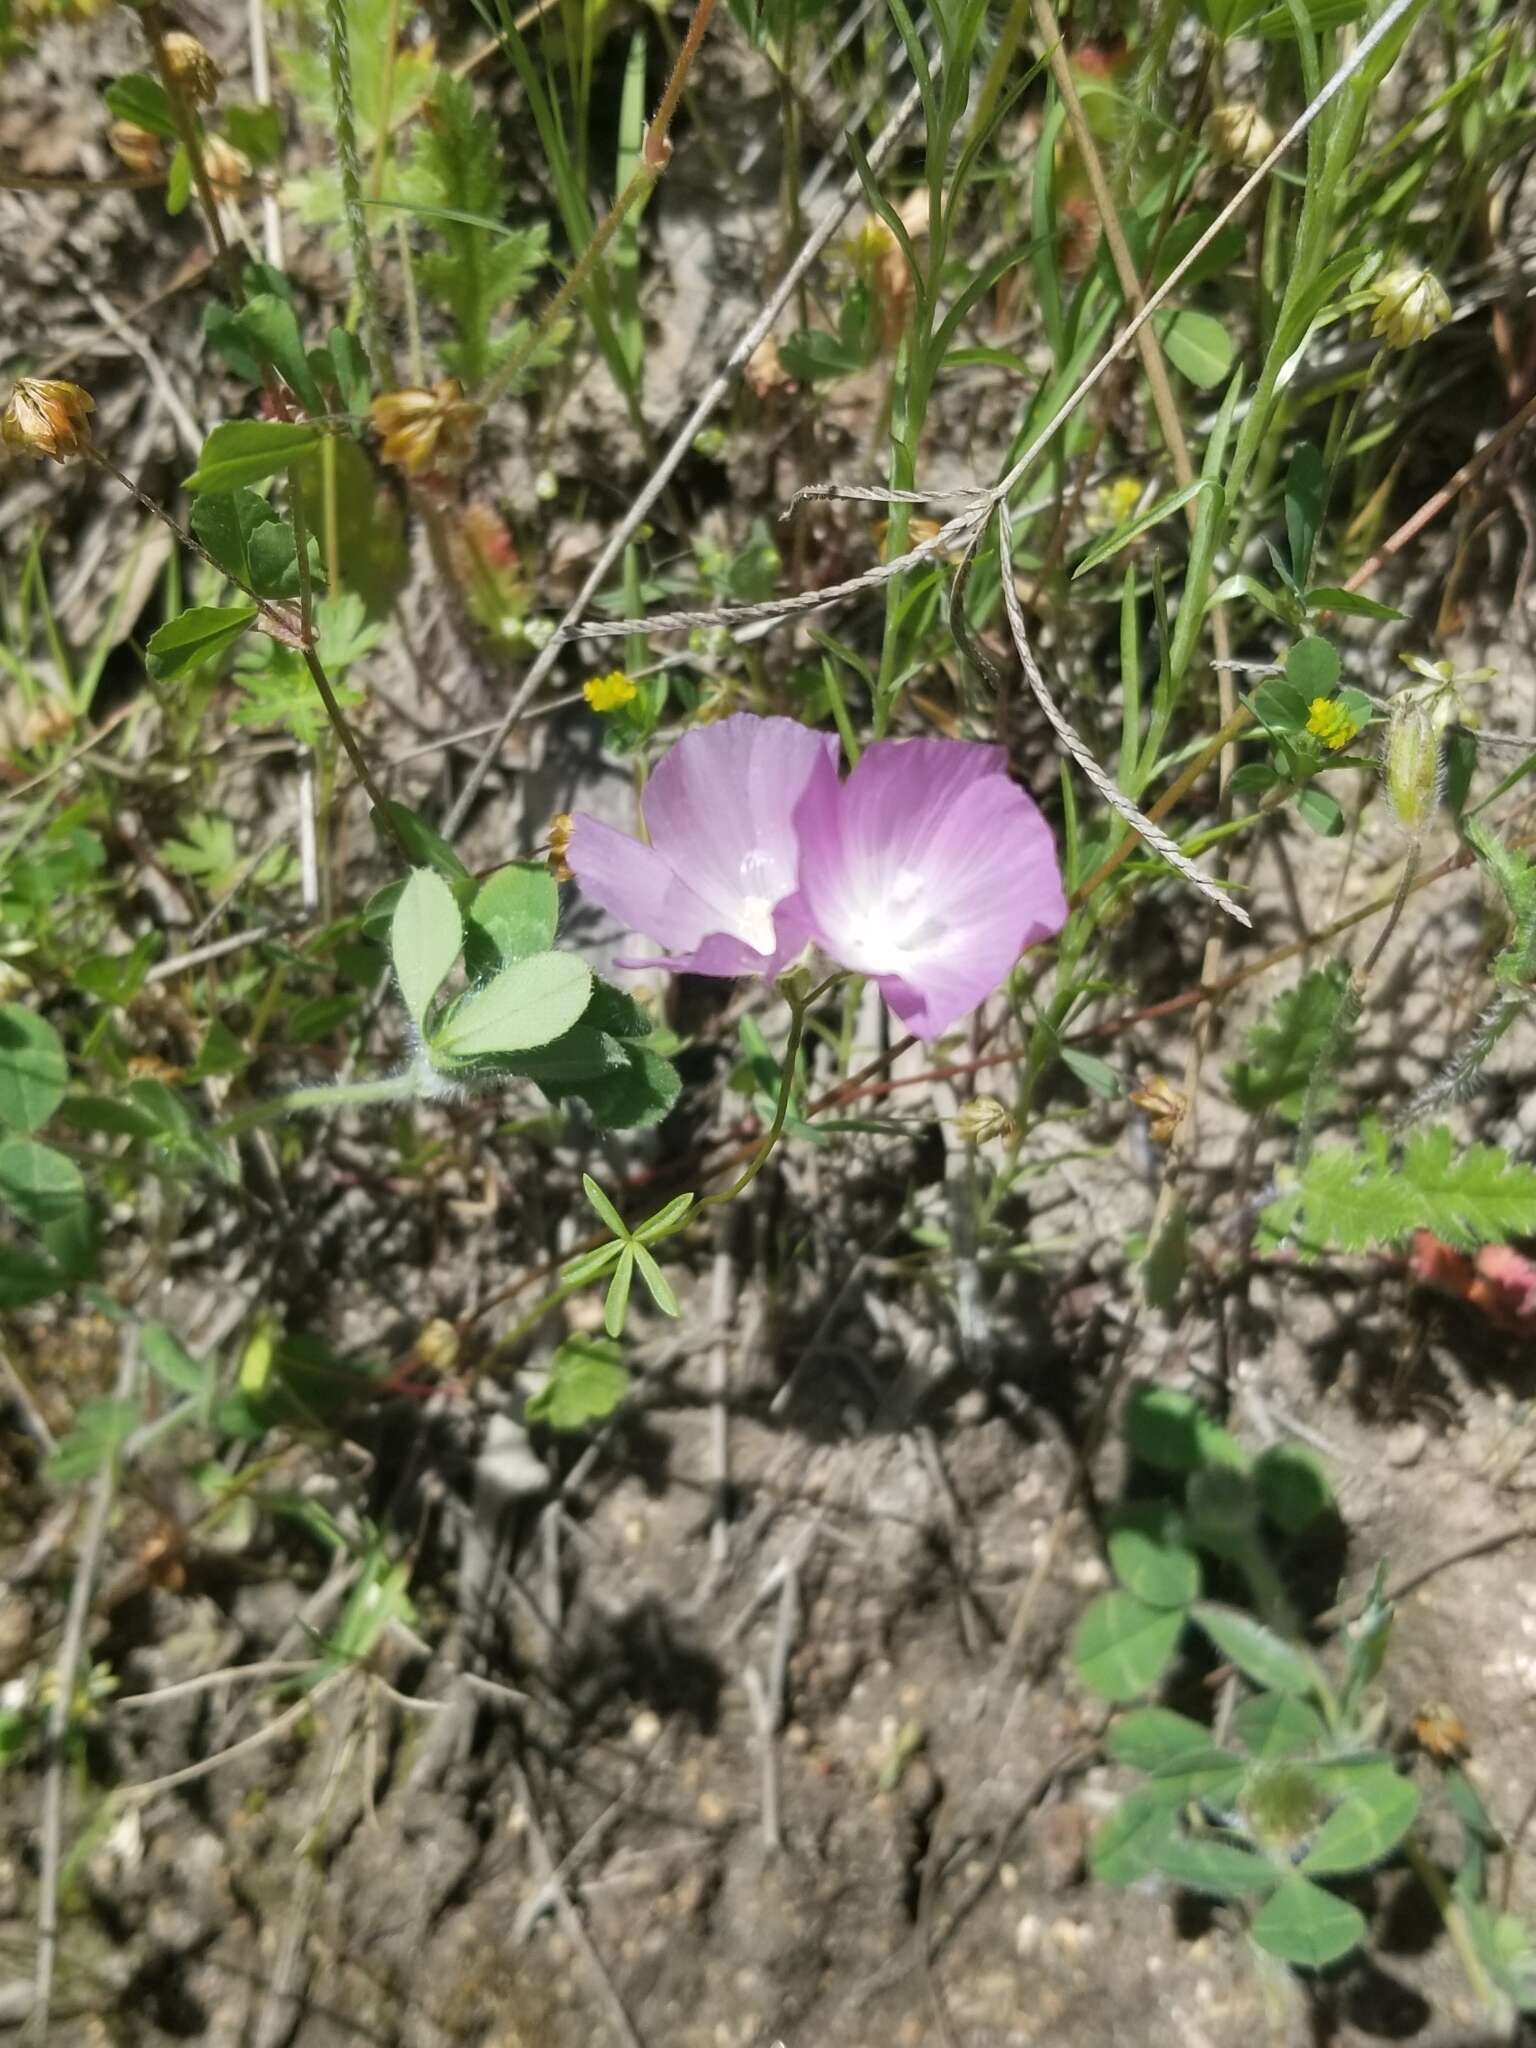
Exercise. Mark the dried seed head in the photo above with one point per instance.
(1412, 761)
(228, 168)
(190, 68)
(1441, 1733)
(560, 829)
(427, 432)
(981, 1118)
(1162, 1104)
(1239, 134)
(138, 149)
(47, 417)
(1410, 305)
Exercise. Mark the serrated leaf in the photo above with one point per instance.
(1268, 1659)
(33, 1070)
(1126, 1847)
(41, 1185)
(1149, 1737)
(1349, 1200)
(586, 1382)
(1377, 1810)
(251, 542)
(635, 1096)
(1121, 1647)
(1285, 1045)
(1224, 1870)
(1302, 1924)
(1150, 1556)
(249, 451)
(425, 935)
(194, 637)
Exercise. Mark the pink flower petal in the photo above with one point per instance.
(931, 874)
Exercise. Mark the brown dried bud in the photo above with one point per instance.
(135, 147)
(1239, 134)
(227, 168)
(190, 68)
(1162, 1105)
(47, 417)
(1441, 1733)
(765, 372)
(427, 432)
(560, 829)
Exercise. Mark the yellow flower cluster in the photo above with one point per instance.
(1331, 723)
(610, 692)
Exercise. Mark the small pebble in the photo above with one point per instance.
(1026, 1936)
(1406, 1444)
(644, 1729)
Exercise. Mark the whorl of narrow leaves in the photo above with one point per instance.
(1349, 1200)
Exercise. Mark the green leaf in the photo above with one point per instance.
(41, 1185)
(257, 132)
(813, 356)
(168, 1358)
(1349, 604)
(1094, 1073)
(1203, 1776)
(251, 542)
(1302, 1924)
(273, 329)
(26, 1277)
(33, 1070)
(586, 1383)
(1151, 1558)
(1197, 346)
(1281, 706)
(178, 181)
(1203, 1863)
(1350, 1199)
(606, 1212)
(1121, 1647)
(1143, 522)
(635, 1096)
(248, 451)
(656, 1281)
(616, 1304)
(1286, 1044)
(1379, 1807)
(140, 99)
(514, 914)
(425, 935)
(1167, 1259)
(1173, 1433)
(665, 1221)
(1149, 1737)
(101, 1428)
(1127, 1846)
(349, 368)
(1293, 1487)
(1276, 1724)
(194, 637)
(1321, 811)
(1268, 1659)
(426, 848)
(1313, 667)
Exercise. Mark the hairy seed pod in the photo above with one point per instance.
(1413, 763)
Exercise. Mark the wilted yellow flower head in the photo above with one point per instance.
(1331, 723)
(610, 692)
(227, 167)
(136, 147)
(560, 828)
(1239, 134)
(427, 432)
(981, 1118)
(190, 67)
(46, 417)
(1410, 306)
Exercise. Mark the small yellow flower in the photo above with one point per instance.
(426, 431)
(190, 68)
(1331, 723)
(610, 692)
(141, 151)
(228, 168)
(1112, 504)
(47, 417)
(1410, 305)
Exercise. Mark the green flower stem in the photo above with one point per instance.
(799, 1007)
(189, 134)
(338, 1095)
(1428, 1872)
(339, 56)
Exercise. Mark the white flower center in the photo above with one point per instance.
(889, 926)
(745, 901)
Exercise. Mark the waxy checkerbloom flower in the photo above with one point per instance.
(927, 869)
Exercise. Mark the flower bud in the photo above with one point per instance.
(228, 168)
(190, 68)
(138, 149)
(1239, 134)
(1412, 762)
(981, 1118)
(1282, 1804)
(427, 431)
(1410, 305)
(47, 417)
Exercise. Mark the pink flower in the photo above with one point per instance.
(930, 871)
(724, 856)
